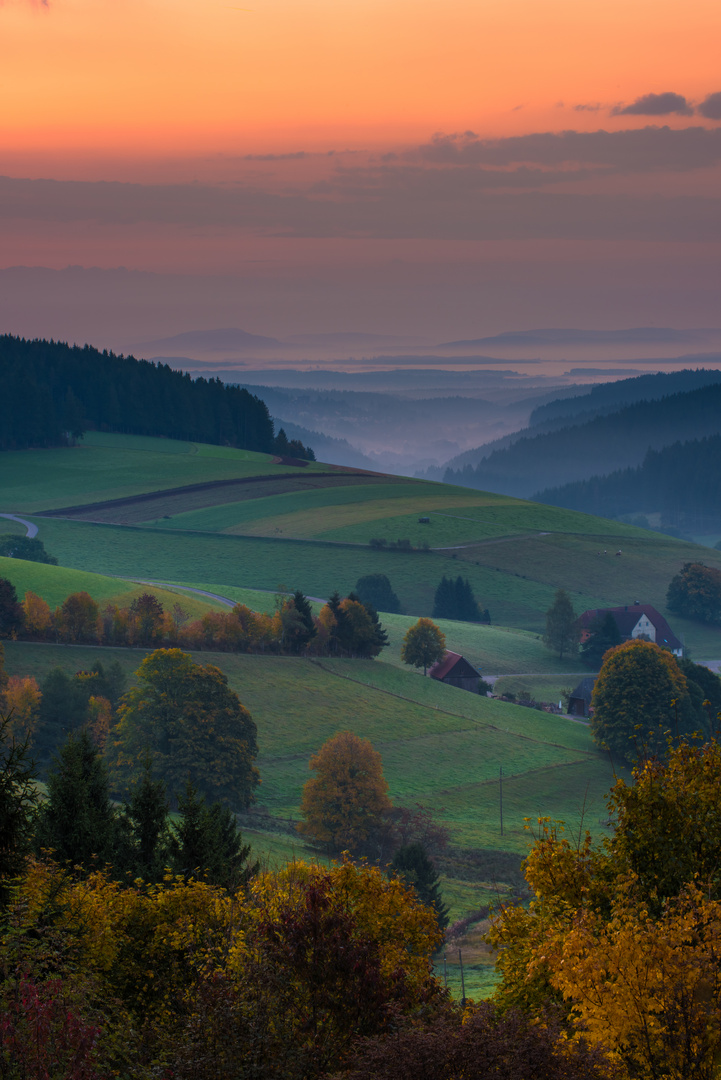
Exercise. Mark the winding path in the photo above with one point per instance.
(32, 530)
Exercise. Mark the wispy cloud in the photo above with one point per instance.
(664, 104)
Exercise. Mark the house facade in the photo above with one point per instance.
(634, 621)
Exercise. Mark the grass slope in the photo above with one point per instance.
(55, 583)
(440, 746)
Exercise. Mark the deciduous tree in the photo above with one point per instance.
(346, 803)
(640, 701)
(561, 632)
(695, 592)
(193, 726)
(376, 590)
(423, 645)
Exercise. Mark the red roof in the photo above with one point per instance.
(445, 666)
(626, 618)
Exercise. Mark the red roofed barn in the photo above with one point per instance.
(455, 670)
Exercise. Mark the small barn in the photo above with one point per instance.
(579, 703)
(455, 670)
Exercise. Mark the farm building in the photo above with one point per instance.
(634, 621)
(455, 670)
(579, 703)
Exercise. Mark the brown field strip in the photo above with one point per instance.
(135, 509)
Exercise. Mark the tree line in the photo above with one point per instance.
(53, 392)
(344, 626)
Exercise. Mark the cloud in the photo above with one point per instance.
(588, 106)
(296, 155)
(655, 105)
(403, 204)
(644, 149)
(710, 107)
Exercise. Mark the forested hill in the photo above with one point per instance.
(682, 482)
(51, 390)
(593, 401)
(599, 446)
(608, 397)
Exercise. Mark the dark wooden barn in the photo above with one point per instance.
(455, 670)
(579, 703)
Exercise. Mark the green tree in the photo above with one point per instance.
(79, 618)
(18, 805)
(186, 717)
(206, 842)
(78, 821)
(374, 590)
(346, 805)
(561, 633)
(147, 614)
(695, 593)
(146, 821)
(423, 645)
(298, 625)
(11, 612)
(640, 700)
(605, 635)
(411, 862)
(63, 708)
(31, 549)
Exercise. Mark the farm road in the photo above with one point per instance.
(32, 530)
(213, 596)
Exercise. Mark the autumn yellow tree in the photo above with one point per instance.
(345, 805)
(37, 615)
(20, 702)
(625, 937)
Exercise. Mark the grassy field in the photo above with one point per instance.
(514, 553)
(106, 466)
(55, 583)
(440, 746)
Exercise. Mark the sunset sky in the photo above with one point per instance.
(437, 169)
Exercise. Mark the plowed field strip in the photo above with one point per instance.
(157, 504)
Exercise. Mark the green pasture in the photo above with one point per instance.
(55, 583)
(234, 516)
(549, 688)
(107, 466)
(445, 753)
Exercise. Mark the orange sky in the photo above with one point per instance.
(182, 76)
(272, 164)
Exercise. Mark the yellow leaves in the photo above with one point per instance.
(20, 701)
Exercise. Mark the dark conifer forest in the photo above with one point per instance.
(53, 392)
(682, 482)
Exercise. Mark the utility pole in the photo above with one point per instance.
(463, 981)
(500, 794)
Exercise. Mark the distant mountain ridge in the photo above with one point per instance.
(640, 335)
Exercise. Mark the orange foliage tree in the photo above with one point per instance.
(346, 804)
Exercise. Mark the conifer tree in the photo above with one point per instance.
(411, 862)
(206, 842)
(78, 822)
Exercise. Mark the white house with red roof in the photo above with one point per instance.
(634, 621)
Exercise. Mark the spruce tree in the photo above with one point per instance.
(78, 821)
(206, 842)
(411, 862)
(444, 603)
(146, 818)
